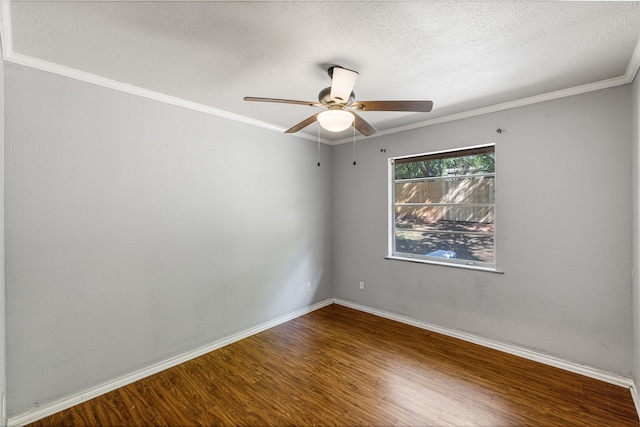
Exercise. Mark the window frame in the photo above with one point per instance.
(451, 262)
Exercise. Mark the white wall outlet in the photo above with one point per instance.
(308, 286)
(362, 286)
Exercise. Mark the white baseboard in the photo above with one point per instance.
(68, 402)
(506, 348)
(634, 395)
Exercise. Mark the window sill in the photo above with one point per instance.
(446, 264)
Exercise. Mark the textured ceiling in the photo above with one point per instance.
(461, 55)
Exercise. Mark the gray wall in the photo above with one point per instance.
(3, 372)
(137, 231)
(635, 229)
(563, 219)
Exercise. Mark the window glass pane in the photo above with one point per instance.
(447, 164)
(471, 247)
(478, 189)
(452, 218)
(444, 205)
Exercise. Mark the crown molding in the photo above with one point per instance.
(628, 77)
(5, 29)
(73, 73)
(10, 56)
(577, 90)
(634, 64)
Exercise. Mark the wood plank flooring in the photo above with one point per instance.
(338, 366)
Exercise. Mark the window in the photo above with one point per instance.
(443, 207)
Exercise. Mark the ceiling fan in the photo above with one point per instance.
(340, 105)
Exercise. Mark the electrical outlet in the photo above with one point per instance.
(362, 286)
(308, 286)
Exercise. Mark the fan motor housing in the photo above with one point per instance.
(325, 98)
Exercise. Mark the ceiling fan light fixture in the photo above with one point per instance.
(335, 120)
(341, 108)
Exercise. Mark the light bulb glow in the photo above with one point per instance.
(335, 120)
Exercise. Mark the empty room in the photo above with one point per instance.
(320, 213)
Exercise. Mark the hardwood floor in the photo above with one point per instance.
(338, 366)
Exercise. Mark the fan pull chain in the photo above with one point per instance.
(354, 144)
(318, 145)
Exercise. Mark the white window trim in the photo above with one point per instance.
(445, 264)
(423, 259)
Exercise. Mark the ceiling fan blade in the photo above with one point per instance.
(363, 126)
(283, 101)
(342, 83)
(420, 106)
(303, 124)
